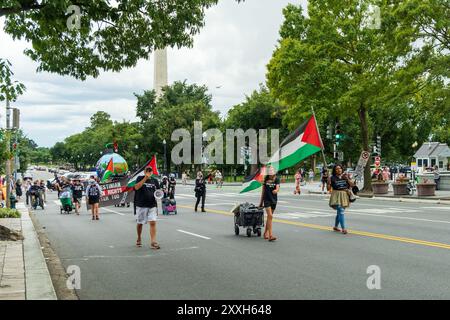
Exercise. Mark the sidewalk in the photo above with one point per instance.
(23, 270)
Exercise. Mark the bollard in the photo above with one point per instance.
(12, 200)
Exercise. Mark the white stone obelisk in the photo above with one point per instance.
(160, 78)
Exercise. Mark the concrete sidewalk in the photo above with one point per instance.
(23, 270)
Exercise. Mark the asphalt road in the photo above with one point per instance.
(201, 258)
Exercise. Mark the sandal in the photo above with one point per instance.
(155, 246)
(138, 243)
(266, 237)
(273, 239)
(344, 231)
(336, 229)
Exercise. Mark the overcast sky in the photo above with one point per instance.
(231, 51)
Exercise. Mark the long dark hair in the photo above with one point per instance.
(334, 169)
(268, 176)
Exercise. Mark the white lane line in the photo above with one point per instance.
(436, 208)
(194, 234)
(106, 209)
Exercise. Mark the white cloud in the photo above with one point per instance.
(231, 51)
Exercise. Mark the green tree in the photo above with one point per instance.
(333, 61)
(100, 119)
(259, 111)
(111, 35)
(179, 106)
(9, 89)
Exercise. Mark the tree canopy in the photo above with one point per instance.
(111, 35)
(332, 61)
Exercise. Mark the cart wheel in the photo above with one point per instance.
(236, 229)
(258, 232)
(249, 232)
(175, 211)
(61, 210)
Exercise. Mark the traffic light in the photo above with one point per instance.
(329, 132)
(338, 134)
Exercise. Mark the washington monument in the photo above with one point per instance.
(160, 79)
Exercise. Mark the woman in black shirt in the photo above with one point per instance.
(200, 191)
(339, 184)
(269, 198)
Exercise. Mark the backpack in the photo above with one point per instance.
(93, 191)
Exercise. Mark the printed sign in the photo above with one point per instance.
(363, 159)
(114, 193)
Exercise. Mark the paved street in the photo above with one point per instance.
(201, 258)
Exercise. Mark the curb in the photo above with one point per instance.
(38, 284)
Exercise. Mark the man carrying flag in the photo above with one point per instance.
(146, 205)
(140, 172)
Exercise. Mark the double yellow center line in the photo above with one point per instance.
(356, 232)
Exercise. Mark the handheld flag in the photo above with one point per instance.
(154, 166)
(299, 145)
(254, 181)
(140, 172)
(109, 171)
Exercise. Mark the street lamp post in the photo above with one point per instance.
(165, 156)
(137, 156)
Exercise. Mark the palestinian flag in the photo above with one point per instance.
(140, 172)
(254, 181)
(109, 171)
(299, 145)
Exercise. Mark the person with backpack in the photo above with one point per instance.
(93, 193)
(77, 194)
(200, 191)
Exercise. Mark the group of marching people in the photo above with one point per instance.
(338, 184)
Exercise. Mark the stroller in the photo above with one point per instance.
(249, 216)
(36, 199)
(169, 205)
(66, 200)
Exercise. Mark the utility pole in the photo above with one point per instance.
(8, 150)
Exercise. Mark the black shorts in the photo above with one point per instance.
(94, 200)
(272, 205)
(77, 199)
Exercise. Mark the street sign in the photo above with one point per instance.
(341, 156)
(363, 159)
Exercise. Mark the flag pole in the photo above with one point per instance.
(321, 142)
